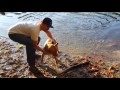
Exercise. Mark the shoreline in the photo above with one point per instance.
(13, 64)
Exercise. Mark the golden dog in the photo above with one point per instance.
(50, 48)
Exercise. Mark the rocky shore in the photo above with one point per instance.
(14, 65)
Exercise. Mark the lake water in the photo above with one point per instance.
(76, 32)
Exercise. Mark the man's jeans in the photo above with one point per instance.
(30, 50)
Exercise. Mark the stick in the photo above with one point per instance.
(74, 67)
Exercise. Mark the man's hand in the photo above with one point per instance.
(39, 48)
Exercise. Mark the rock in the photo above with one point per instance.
(96, 75)
(2, 61)
(92, 69)
(0, 57)
(1, 72)
(86, 58)
(8, 67)
(26, 72)
(65, 55)
(14, 75)
(54, 76)
(10, 62)
(112, 69)
(0, 51)
(5, 51)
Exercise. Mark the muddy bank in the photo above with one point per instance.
(13, 64)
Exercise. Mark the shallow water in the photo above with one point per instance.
(76, 32)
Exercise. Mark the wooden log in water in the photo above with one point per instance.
(81, 64)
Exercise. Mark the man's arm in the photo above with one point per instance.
(38, 48)
(50, 35)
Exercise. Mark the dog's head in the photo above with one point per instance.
(51, 48)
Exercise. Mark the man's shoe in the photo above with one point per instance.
(36, 72)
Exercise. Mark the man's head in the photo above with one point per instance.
(46, 23)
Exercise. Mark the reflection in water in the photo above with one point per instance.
(76, 32)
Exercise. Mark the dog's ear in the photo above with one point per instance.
(56, 44)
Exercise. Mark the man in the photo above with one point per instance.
(27, 33)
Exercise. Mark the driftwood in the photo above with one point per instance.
(81, 64)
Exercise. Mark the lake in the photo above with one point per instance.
(76, 32)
